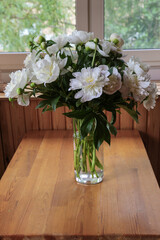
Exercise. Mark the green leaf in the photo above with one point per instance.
(79, 114)
(87, 125)
(113, 117)
(42, 104)
(131, 112)
(54, 102)
(112, 129)
(98, 136)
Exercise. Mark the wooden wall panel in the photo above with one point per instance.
(142, 125)
(2, 166)
(6, 131)
(126, 121)
(45, 120)
(58, 119)
(18, 123)
(31, 116)
(153, 143)
(69, 121)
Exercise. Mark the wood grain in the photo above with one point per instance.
(69, 121)
(2, 168)
(6, 131)
(153, 143)
(126, 121)
(40, 199)
(18, 123)
(31, 116)
(58, 118)
(45, 120)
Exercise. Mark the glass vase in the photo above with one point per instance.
(88, 162)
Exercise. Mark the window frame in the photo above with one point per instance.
(92, 20)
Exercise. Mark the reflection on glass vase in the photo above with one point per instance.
(88, 162)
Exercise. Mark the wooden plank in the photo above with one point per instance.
(2, 164)
(6, 131)
(45, 120)
(31, 116)
(126, 121)
(40, 198)
(153, 133)
(69, 121)
(58, 118)
(18, 123)
(142, 125)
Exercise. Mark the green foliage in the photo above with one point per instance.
(21, 20)
(138, 22)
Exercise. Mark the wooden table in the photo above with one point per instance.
(39, 198)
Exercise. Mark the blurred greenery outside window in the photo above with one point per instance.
(21, 21)
(137, 21)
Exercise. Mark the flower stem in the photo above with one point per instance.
(94, 55)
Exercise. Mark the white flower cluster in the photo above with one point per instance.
(91, 82)
(137, 84)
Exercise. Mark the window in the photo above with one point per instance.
(137, 21)
(22, 20)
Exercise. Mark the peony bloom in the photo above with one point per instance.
(107, 47)
(117, 40)
(114, 83)
(80, 37)
(90, 81)
(18, 80)
(46, 70)
(135, 85)
(30, 59)
(60, 42)
(135, 65)
(150, 102)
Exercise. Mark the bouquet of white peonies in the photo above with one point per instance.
(89, 76)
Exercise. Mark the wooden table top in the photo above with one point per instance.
(40, 199)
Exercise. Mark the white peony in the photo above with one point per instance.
(150, 102)
(60, 42)
(23, 99)
(80, 37)
(117, 40)
(135, 65)
(107, 47)
(135, 85)
(114, 83)
(90, 81)
(46, 70)
(18, 80)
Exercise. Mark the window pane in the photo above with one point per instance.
(21, 20)
(137, 21)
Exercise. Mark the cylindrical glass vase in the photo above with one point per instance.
(88, 162)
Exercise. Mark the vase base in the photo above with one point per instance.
(88, 178)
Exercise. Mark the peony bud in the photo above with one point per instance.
(96, 40)
(32, 85)
(19, 91)
(43, 45)
(117, 40)
(41, 39)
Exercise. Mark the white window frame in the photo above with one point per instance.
(89, 17)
